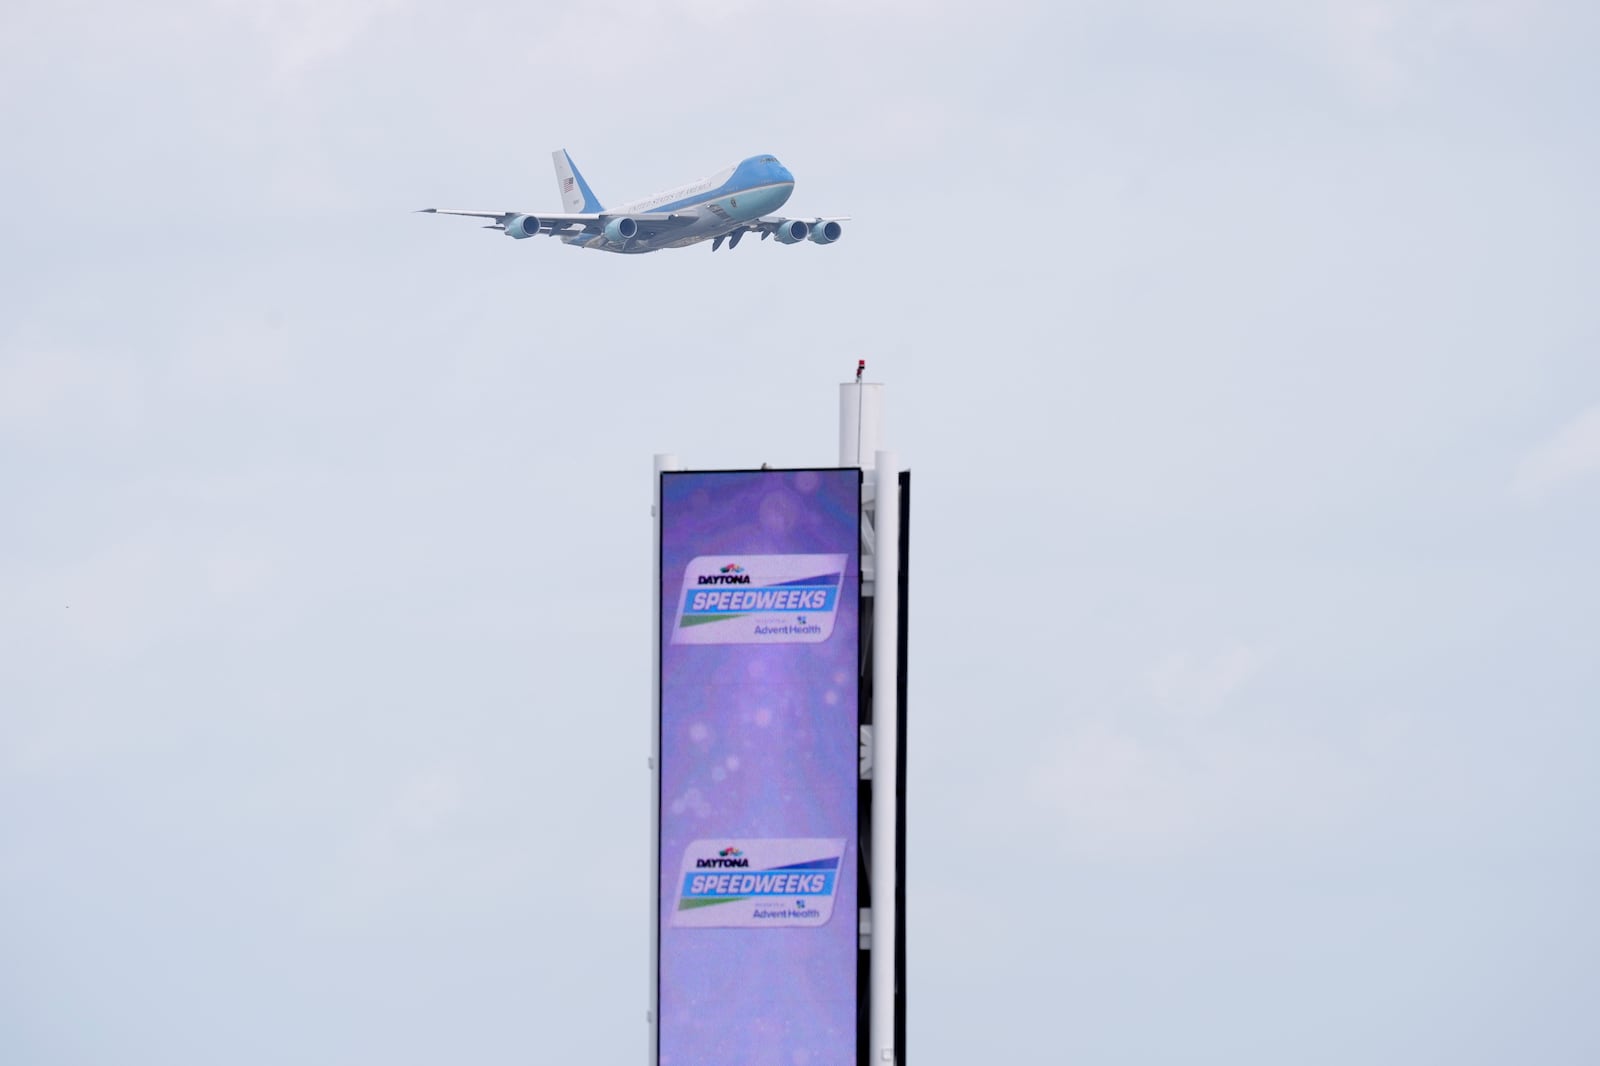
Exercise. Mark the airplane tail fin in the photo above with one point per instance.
(576, 196)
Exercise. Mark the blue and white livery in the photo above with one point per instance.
(722, 207)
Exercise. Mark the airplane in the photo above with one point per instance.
(722, 207)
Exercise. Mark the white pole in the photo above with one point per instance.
(663, 462)
(885, 761)
(860, 423)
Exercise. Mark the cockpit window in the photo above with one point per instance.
(769, 159)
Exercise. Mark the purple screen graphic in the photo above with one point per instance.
(760, 601)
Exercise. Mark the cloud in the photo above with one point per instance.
(1379, 49)
(303, 33)
(1571, 453)
(49, 394)
(1120, 790)
(1150, 779)
(1190, 684)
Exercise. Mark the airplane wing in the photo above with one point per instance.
(650, 224)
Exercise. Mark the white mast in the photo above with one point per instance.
(663, 463)
(861, 424)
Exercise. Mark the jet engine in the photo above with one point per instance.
(792, 232)
(825, 232)
(621, 230)
(522, 226)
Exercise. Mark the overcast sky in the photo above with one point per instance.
(1245, 355)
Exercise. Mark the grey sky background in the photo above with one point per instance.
(1245, 357)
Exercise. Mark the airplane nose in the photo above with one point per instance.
(783, 173)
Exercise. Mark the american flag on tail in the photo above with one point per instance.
(567, 184)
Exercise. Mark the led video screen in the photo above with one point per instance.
(760, 603)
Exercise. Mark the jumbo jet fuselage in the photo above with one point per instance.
(724, 201)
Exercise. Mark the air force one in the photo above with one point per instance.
(723, 207)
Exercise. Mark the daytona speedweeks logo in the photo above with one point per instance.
(759, 599)
(758, 884)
